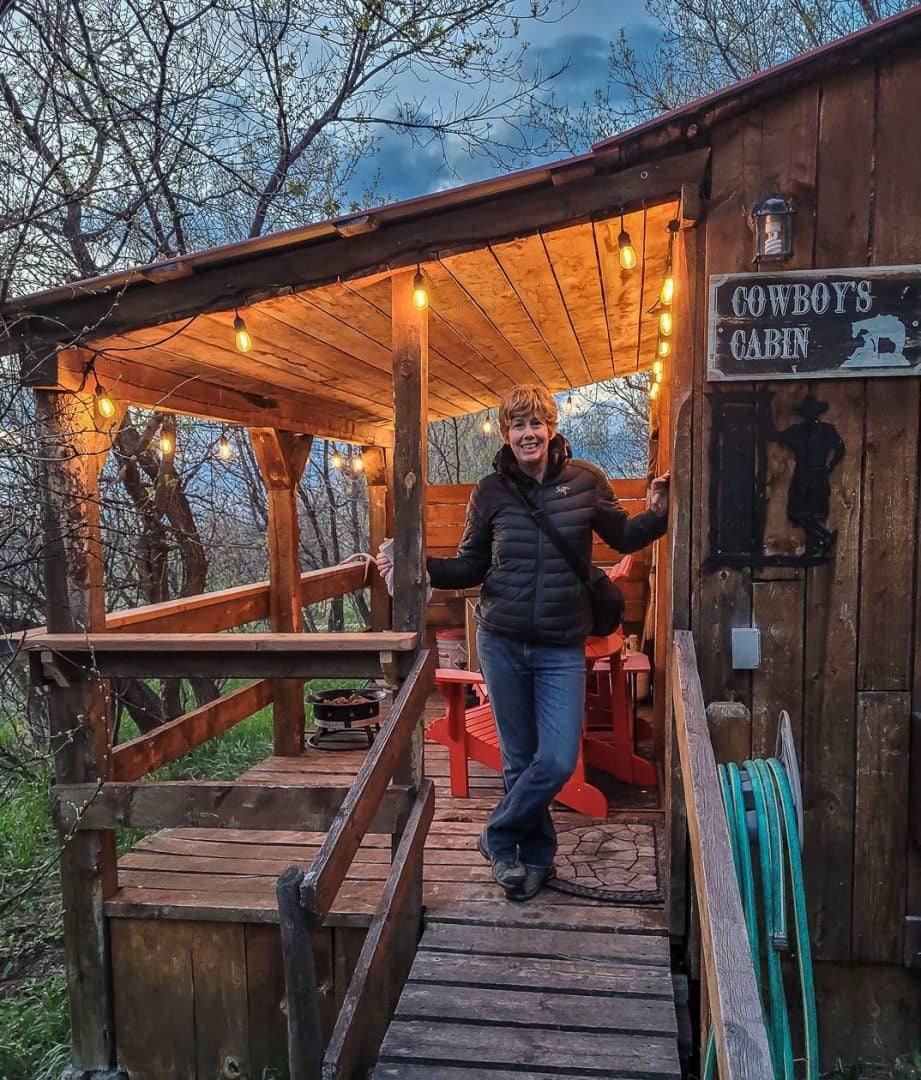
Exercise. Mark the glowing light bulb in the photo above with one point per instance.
(657, 367)
(335, 459)
(241, 335)
(668, 289)
(653, 391)
(657, 376)
(420, 296)
(567, 406)
(224, 449)
(167, 442)
(104, 403)
(358, 464)
(664, 347)
(626, 252)
(665, 323)
(487, 426)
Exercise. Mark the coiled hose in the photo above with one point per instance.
(778, 853)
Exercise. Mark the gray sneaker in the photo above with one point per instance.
(534, 878)
(509, 875)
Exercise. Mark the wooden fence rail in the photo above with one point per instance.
(732, 989)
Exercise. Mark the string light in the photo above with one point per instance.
(224, 449)
(104, 403)
(626, 252)
(420, 296)
(657, 367)
(335, 459)
(653, 391)
(242, 337)
(665, 323)
(358, 463)
(567, 405)
(486, 426)
(668, 288)
(664, 347)
(167, 440)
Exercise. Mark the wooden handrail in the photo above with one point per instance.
(225, 609)
(172, 740)
(387, 954)
(742, 1046)
(332, 862)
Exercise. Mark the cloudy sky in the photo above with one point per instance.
(582, 39)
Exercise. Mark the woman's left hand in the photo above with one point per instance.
(658, 494)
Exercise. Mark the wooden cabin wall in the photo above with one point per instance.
(446, 508)
(841, 643)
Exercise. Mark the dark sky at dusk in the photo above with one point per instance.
(582, 38)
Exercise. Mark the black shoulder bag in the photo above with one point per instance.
(606, 599)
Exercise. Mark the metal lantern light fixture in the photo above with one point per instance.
(772, 226)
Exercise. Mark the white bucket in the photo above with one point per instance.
(452, 647)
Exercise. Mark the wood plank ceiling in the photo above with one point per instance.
(554, 308)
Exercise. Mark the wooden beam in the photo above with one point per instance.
(74, 442)
(172, 740)
(329, 869)
(507, 214)
(173, 804)
(410, 479)
(282, 456)
(380, 526)
(142, 381)
(735, 1005)
(387, 954)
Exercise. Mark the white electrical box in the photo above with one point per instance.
(746, 648)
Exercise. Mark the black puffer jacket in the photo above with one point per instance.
(529, 591)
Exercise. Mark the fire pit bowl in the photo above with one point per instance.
(345, 705)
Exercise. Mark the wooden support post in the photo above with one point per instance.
(410, 475)
(380, 525)
(305, 1031)
(282, 456)
(73, 444)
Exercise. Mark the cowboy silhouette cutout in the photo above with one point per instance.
(817, 448)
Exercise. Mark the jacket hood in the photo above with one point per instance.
(558, 453)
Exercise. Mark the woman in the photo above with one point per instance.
(533, 617)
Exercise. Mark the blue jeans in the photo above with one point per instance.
(537, 693)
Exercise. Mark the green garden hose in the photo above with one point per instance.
(779, 857)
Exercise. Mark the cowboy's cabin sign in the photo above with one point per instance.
(811, 324)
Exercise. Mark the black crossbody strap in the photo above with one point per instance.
(579, 568)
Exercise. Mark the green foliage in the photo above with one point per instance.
(34, 1038)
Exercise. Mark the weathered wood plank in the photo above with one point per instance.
(778, 612)
(331, 865)
(170, 741)
(146, 961)
(536, 1006)
(204, 804)
(386, 955)
(218, 956)
(583, 978)
(482, 1044)
(881, 825)
(581, 916)
(524, 943)
(265, 984)
(406, 1070)
(735, 1005)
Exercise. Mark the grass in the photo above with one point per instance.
(34, 1027)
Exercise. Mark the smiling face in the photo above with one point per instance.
(529, 438)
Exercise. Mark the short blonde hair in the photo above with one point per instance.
(529, 400)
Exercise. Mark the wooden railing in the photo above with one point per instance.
(136, 642)
(731, 988)
(305, 898)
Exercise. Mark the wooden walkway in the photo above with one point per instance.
(510, 1000)
(559, 986)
